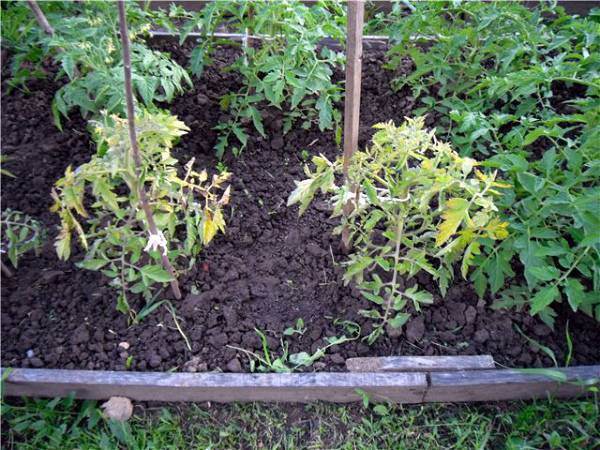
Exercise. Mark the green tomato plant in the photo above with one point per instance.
(285, 70)
(519, 86)
(417, 206)
(86, 46)
(90, 56)
(112, 233)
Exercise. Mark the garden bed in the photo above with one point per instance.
(268, 270)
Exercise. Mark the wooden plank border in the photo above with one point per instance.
(413, 387)
(217, 387)
(420, 363)
(507, 384)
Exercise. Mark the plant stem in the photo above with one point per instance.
(388, 304)
(134, 146)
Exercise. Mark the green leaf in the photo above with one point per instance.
(122, 304)
(371, 192)
(553, 374)
(257, 121)
(381, 410)
(197, 60)
(399, 320)
(543, 299)
(93, 264)
(575, 293)
(156, 273)
(544, 273)
(378, 299)
(531, 183)
(325, 112)
(358, 266)
(240, 134)
(418, 296)
(68, 64)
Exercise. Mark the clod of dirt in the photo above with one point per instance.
(234, 365)
(195, 365)
(415, 329)
(118, 408)
(81, 335)
(481, 336)
(393, 332)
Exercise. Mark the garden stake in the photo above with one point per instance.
(40, 17)
(44, 24)
(356, 12)
(5, 270)
(155, 234)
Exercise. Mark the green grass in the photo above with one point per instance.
(67, 424)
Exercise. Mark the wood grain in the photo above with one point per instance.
(506, 384)
(419, 363)
(415, 387)
(217, 387)
(356, 12)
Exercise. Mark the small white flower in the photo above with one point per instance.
(156, 241)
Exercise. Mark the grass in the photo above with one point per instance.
(68, 424)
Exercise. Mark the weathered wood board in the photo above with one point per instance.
(413, 387)
(217, 387)
(506, 384)
(419, 363)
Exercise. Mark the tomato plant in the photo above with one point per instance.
(113, 232)
(419, 207)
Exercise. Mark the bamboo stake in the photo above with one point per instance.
(134, 145)
(356, 13)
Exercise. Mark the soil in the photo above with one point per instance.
(271, 267)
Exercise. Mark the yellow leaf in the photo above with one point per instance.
(497, 230)
(456, 211)
(218, 220)
(209, 228)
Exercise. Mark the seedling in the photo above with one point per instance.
(268, 362)
(297, 329)
(420, 207)
(305, 155)
(221, 167)
(20, 233)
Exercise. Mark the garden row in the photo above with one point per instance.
(499, 208)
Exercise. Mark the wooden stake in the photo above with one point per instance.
(45, 25)
(5, 270)
(40, 17)
(356, 13)
(134, 145)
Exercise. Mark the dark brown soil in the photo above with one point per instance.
(271, 268)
